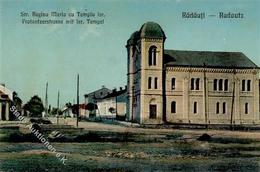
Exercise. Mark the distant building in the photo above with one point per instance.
(6, 97)
(114, 104)
(94, 97)
(176, 86)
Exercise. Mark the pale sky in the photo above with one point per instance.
(31, 55)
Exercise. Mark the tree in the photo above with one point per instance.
(34, 106)
(17, 102)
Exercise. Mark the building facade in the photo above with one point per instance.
(114, 104)
(94, 97)
(202, 87)
(6, 98)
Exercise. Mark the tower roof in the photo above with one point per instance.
(133, 38)
(151, 30)
(148, 30)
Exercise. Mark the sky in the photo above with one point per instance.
(33, 54)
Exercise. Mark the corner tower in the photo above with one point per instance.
(145, 74)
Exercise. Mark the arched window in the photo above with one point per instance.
(152, 111)
(226, 84)
(220, 85)
(248, 85)
(192, 84)
(173, 84)
(197, 84)
(243, 85)
(173, 107)
(215, 84)
(152, 56)
(246, 108)
(195, 107)
(224, 107)
(155, 83)
(217, 108)
(149, 83)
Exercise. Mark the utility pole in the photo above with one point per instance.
(58, 107)
(233, 100)
(77, 121)
(205, 95)
(58, 100)
(46, 99)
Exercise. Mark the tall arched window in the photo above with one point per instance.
(226, 85)
(192, 84)
(149, 82)
(197, 84)
(215, 84)
(224, 107)
(217, 108)
(195, 107)
(220, 85)
(243, 85)
(246, 108)
(173, 107)
(173, 84)
(155, 83)
(248, 85)
(152, 56)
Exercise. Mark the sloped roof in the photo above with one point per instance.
(115, 93)
(209, 58)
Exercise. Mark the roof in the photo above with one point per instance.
(96, 93)
(207, 59)
(133, 38)
(6, 91)
(115, 94)
(151, 30)
(148, 30)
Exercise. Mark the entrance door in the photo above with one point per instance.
(153, 111)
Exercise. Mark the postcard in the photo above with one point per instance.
(110, 85)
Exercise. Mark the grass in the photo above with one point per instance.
(140, 153)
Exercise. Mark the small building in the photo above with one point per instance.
(94, 97)
(114, 104)
(6, 97)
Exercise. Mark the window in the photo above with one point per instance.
(220, 85)
(192, 84)
(243, 85)
(173, 84)
(155, 83)
(226, 85)
(195, 107)
(152, 56)
(152, 111)
(197, 84)
(173, 107)
(215, 84)
(246, 108)
(217, 108)
(248, 85)
(149, 83)
(224, 107)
